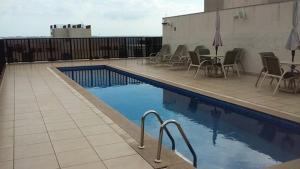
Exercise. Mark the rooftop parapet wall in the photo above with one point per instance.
(213, 5)
(263, 28)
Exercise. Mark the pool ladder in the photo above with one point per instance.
(163, 127)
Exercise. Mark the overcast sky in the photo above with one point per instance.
(107, 17)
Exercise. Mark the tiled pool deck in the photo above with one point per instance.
(44, 123)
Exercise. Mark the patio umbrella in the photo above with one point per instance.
(293, 40)
(217, 39)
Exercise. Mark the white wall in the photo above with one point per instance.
(266, 29)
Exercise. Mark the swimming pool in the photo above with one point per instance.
(223, 135)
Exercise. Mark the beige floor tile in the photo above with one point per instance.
(76, 157)
(6, 154)
(128, 162)
(33, 150)
(114, 150)
(31, 139)
(35, 115)
(89, 122)
(7, 165)
(95, 130)
(7, 124)
(65, 134)
(87, 115)
(24, 130)
(68, 145)
(29, 122)
(40, 162)
(6, 117)
(6, 132)
(6, 141)
(60, 126)
(98, 165)
(104, 139)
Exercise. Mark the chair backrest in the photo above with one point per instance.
(263, 56)
(230, 57)
(197, 48)
(194, 58)
(273, 66)
(165, 49)
(180, 51)
(239, 53)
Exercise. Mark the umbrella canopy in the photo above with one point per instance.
(293, 40)
(217, 39)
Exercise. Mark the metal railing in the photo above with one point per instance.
(163, 128)
(161, 132)
(143, 128)
(52, 49)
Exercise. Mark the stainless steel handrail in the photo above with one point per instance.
(162, 127)
(141, 146)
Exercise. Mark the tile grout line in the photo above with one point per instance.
(14, 132)
(35, 97)
(93, 148)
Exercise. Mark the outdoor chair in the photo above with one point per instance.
(199, 62)
(157, 57)
(180, 56)
(274, 70)
(263, 55)
(229, 62)
(240, 53)
(198, 49)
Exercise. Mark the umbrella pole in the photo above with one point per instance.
(216, 50)
(293, 58)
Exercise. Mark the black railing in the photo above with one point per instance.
(52, 49)
(2, 59)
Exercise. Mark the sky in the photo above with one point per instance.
(107, 17)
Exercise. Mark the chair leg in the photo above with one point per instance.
(237, 70)
(189, 67)
(198, 68)
(277, 86)
(223, 69)
(262, 80)
(258, 78)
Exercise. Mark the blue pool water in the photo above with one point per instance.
(224, 136)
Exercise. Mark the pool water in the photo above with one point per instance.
(224, 136)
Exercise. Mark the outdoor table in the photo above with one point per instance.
(215, 58)
(293, 82)
(290, 63)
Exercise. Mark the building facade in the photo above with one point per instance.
(71, 31)
(212, 5)
(256, 28)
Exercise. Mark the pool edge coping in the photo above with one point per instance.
(170, 159)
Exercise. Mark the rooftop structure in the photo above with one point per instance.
(212, 5)
(71, 31)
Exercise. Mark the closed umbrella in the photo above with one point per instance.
(217, 39)
(293, 40)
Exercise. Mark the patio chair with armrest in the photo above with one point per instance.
(199, 62)
(157, 57)
(263, 55)
(179, 57)
(274, 70)
(229, 62)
